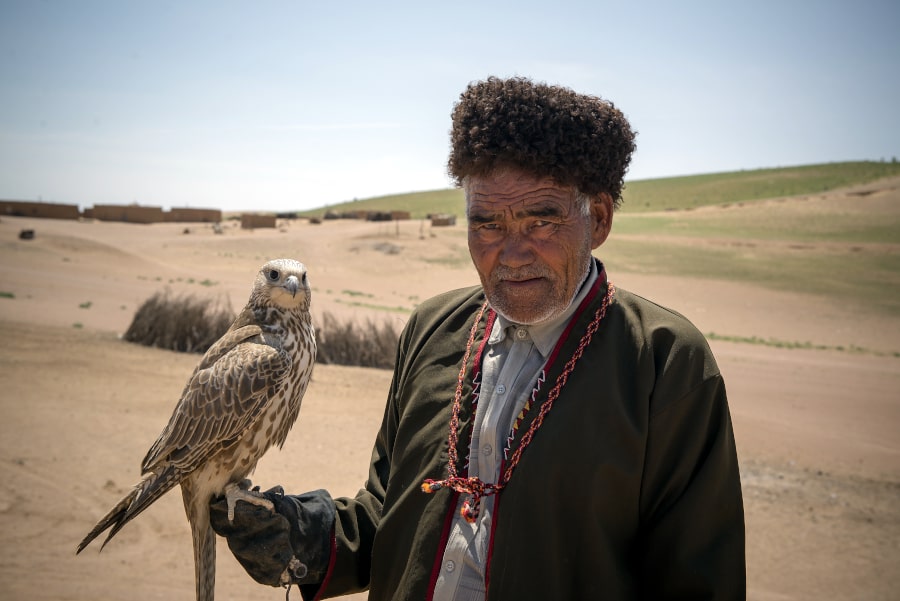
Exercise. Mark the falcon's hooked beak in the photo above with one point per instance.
(292, 285)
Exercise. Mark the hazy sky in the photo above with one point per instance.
(292, 105)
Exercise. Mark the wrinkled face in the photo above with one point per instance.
(531, 242)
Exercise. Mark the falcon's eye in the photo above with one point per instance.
(273, 274)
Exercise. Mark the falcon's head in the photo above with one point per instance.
(282, 283)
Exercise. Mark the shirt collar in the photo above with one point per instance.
(545, 334)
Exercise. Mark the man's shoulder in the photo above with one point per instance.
(647, 307)
(450, 301)
(445, 310)
(651, 318)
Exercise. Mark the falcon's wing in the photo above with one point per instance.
(226, 393)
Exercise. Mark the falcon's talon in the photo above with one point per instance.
(234, 492)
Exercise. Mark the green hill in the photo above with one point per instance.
(670, 193)
(746, 186)
(419, 204)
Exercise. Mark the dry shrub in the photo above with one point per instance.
(190, 324)
(348, 343)
(182, 323)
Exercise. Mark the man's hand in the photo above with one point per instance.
(269, 545)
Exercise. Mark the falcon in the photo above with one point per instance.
(242, 398)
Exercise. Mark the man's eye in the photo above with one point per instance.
(485, 226)
(542, 224)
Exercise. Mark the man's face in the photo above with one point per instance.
(531, 243)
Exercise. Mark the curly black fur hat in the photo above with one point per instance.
(576, 139)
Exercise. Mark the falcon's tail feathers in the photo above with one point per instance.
(204, 539)
(148, 490)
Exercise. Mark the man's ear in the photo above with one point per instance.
(601, 218)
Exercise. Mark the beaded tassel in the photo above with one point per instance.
(430, 486)
(470, 508)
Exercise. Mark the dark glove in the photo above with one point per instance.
(290, 546)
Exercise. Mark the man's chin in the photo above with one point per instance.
(518, 310)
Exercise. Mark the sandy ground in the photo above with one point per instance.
(817, 431)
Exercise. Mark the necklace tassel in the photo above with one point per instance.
(470, 509)
(430, 486)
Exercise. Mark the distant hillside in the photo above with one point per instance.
(743, 186)
(664, 193)
(419, 204)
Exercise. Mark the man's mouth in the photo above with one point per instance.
(521, 281)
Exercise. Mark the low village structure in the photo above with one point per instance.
(250, 221)
(139, 214)
(368, 215)
(49, 210)
(134, 213)
(128, 213)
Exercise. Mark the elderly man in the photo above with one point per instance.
(547, 435)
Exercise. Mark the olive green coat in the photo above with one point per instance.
(629, 490)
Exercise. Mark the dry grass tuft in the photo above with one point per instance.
(191, 325)
(349, 343)
(183, 323)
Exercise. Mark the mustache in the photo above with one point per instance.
(502, 273)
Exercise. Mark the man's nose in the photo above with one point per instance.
(517, 249)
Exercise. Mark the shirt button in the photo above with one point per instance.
(450, 566)
(501, 388)
(521, 333)
(487, 449)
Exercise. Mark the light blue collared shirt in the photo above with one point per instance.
(513, 360)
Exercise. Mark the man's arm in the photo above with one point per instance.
(692, 532)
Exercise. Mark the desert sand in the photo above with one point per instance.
(817, 430)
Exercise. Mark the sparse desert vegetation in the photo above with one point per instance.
(188, 323)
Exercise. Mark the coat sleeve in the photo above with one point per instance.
(357, 517)
(692, 519)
